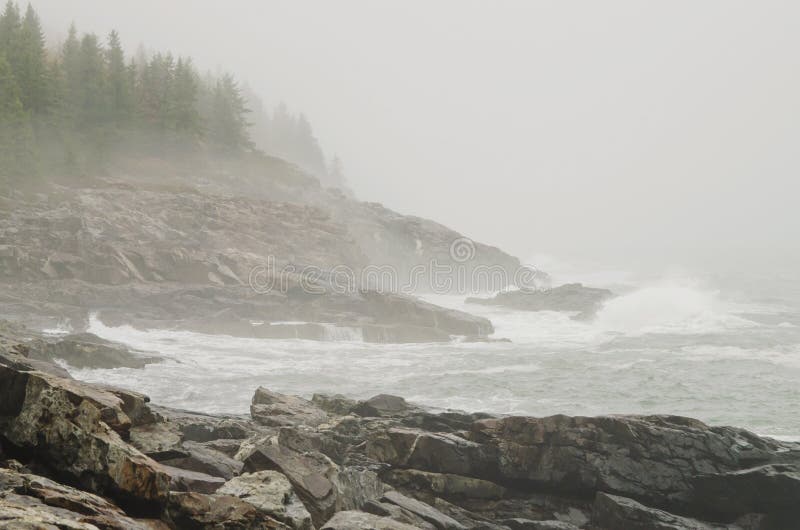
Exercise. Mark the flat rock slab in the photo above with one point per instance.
(423, 511)
(354, 520)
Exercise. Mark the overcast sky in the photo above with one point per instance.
(604, 129)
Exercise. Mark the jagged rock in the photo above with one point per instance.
(187, 480)
(85, 350)
(382, 405)
(612, 512)
(646, 457)
(568, 297)
(155, 438)
(15, 355)
(311, 474)
(134, 405)
(205, 460)
(75, 428)
(335, 404)
(274, 409)
(30, 501)
(271, 493)
(355, 487)
(354, 520)
(201, 512)
(423, 511)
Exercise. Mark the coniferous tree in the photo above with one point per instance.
(70, 88)
(93, 104)
(16, 136)
(32, 68)
(118, 84)
(185, 99)
(10, 28)
(228, 124)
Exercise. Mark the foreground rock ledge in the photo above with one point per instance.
(78, 456)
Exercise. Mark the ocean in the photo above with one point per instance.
(723, 350)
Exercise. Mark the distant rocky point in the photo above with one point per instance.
(568, 297)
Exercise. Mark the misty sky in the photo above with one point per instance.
(605, 129)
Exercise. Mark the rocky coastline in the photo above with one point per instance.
(81, 456)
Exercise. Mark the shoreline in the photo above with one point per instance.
(336, 463)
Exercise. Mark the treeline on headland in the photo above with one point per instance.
(69, 109)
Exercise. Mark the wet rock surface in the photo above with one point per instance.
(81, 456)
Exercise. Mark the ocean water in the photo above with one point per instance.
(726, 353)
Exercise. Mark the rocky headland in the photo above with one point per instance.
(80, 456)
(243, 247)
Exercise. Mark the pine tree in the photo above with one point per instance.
(17, 157)
(228, 124)
(10, 27)
(70, 87)
(31, 70)
(93, 104)
(119, 88)
(185, 100)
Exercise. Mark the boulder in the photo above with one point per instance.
(311, 474)
(274, 409)
(75, 429)
(31, 501)
(382, 405)
(336, 404)
(271, 493)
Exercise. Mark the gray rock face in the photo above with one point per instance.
(271, 493)
(273, 409)
(163, 257)
(773, 489)
(76, 428)
(568, 297)
(31, 501)
(311, 474)
(612, 512)
(648, 457)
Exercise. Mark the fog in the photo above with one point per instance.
(613, 130)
